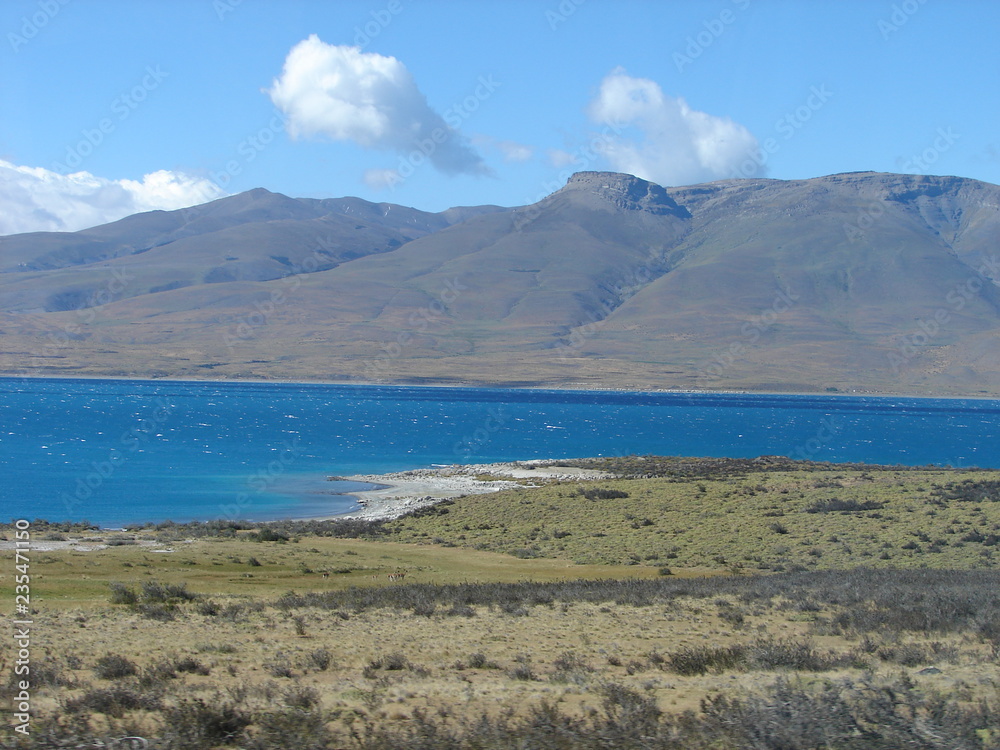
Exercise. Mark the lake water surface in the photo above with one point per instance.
(123, 451)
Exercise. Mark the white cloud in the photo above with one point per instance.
(34, 199)
(511, 151)
(342, 93)
(559, 158)
(381, 179)
(515, 151)
(677, 145)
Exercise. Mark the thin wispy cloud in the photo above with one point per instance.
(673, 143)
(344, 94)
(34, 199)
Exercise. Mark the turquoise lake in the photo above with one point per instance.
(126, 451)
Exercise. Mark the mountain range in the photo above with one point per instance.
(859, 282)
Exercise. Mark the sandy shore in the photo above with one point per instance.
(401, 492)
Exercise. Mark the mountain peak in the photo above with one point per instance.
(624, 191)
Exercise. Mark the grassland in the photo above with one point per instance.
(707, 516)
(517, 625)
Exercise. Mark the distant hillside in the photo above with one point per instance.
(853, 282)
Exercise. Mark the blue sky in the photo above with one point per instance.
(110, 106)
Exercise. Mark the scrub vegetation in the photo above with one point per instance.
(720, 623)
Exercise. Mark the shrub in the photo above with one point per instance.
(699, 660)
(161, 612)
(392, 663)
(122, 594)
(191, 666)
(522, 672)
(51, 673)
(787, 654)
(461, 610)
(154, 676)
(568, 667)
(152, 591)
(301, 697)
(279, 669)
(600, 493)
(209, 608)
(114, 701)
(114, 667)
(268, 534)
(293, 727)
(320, 659)
(197, 725)
(629, 713)
(479, 661)
(834, 505)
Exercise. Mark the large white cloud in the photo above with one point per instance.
(34, 199)
(677, 145)
(342, 93)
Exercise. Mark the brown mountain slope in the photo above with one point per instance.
(855, 282)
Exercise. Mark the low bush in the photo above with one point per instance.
(114, 700)
(200, 725)
(842, 505)
(114, 667)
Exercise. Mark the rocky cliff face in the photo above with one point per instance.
(624, 192)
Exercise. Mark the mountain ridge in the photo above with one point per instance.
(858, 281)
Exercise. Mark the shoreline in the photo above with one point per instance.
(398, 493)
(539, 386)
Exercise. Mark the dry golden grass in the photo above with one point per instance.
(356, 652)
(386, 664)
